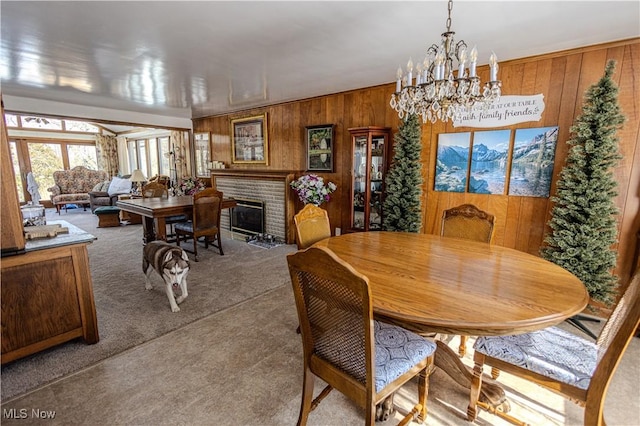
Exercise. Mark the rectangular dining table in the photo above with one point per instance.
(431, 284)
(155, 211)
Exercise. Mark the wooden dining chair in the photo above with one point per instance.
(312, 225)
(154, 190)
(561, 361)
(157, 189)
(205, 221)
(366, 360)
(470, 223)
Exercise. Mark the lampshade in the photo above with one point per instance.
(137, 176)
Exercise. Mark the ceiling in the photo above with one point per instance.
(192, 59)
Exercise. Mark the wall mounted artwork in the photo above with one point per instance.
(452, 161)
(320, 148)
(532, 164)
(489, 157)
(249, 140)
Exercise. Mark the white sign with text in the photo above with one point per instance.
(507, 110)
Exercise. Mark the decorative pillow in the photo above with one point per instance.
(119, 186)
(102, 186)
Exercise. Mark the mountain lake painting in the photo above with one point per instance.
(489, 161)
(534, 152)
(452, 161)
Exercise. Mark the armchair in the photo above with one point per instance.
(106, 193)
(100, 199)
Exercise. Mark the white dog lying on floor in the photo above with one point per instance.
(172, 264)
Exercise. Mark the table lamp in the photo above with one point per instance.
(137, 177)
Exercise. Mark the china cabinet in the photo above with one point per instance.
(370, 147)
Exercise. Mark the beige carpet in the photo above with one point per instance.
(242, 366)
(129, 315)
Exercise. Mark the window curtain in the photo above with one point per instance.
(107, 148)
(123, 159)
(180, 148)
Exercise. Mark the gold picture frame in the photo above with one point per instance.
(249, 140)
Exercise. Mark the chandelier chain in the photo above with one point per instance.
(450, 8)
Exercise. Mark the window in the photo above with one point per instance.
(150, 156)
(45, 123)
(33, 122)
(16, 170)
(80, 126)
(82, 155)
(43, 157)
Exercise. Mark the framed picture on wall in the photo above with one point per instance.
(201, 153)
(534, 152)
(319, 147)
(452, 162)
(249, 140)
(489, 157)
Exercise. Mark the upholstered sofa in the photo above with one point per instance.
(73, 186)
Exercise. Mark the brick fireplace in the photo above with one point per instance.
(270, 187)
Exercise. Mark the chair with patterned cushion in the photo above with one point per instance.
(561, 361)
(366, 360)
(470, 223)
(205, 221)
(312, 225)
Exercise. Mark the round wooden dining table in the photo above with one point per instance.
(432, 284)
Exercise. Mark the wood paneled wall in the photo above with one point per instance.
(561, 77)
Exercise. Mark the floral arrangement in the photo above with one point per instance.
(188, 186)
(311, 189)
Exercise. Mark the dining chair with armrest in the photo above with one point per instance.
(364, 359)
(470, 223)
(312, 225)
(205, 221)
(578, 369)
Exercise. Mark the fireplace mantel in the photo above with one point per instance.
(285, 176)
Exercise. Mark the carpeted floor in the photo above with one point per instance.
(243, 364)
(129, 315)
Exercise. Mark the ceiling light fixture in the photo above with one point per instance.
(436, 94)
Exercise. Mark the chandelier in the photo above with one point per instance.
(436, 94)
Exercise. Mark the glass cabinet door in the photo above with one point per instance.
(376, 179)
(370, 150)
(359, 181)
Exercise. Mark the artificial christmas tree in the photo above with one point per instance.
(401, 206)
(583, 219)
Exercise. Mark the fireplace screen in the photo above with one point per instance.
(248, 217)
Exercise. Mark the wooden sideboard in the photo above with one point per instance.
(47, 295)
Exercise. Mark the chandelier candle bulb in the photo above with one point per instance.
(493, 64)
(461, 62)
(474, 61)
(425, 70)
(399, 80)
(409, 71)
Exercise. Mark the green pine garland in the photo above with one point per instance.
(401, 206)
(583, 223)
